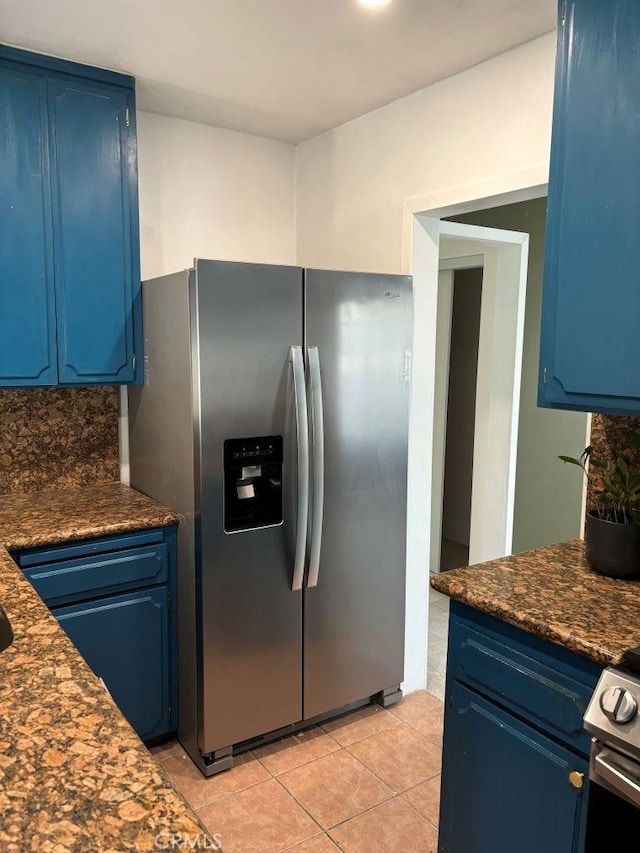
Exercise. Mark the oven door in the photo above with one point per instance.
(615, 772)
(613, 815)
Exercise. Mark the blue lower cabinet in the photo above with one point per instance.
(505, 786)
(515, 763)
(125, 641)
(115, 598)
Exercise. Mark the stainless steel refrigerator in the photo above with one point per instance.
(273, 418)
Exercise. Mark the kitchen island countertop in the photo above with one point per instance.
(74, 776)
(552, 592)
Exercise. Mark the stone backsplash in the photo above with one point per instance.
(56, 437)
(607, 437)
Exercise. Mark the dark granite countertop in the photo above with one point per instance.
(74, 776)
(553, 592)
(81, 512)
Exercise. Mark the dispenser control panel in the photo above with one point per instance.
(252, 483)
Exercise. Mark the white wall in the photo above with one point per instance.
(207, 192)
(349, 193)
(483, 133)
(469, 136)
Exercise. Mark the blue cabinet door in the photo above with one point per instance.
(27, 307)
(97, 284)
(590, 359)
(505, 786)
(125, 641)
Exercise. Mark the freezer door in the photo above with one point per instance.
(354, 616)
(247, 317)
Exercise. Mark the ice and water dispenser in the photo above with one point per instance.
(252, 483)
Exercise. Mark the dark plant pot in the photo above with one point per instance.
(611, 548)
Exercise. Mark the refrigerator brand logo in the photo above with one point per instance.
(392, 294)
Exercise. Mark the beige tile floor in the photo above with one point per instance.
(367, 781)
(438, 641)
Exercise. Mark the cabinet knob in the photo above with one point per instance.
(576, 778)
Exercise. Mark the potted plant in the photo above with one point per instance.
(612, 531)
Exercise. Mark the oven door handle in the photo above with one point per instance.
(616, 772)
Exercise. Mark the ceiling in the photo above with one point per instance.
(287, 69)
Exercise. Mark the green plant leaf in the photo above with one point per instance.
(634, 486)
(572, 460)
(599, 463)
(632, 440)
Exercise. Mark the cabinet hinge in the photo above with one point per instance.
(170, 713)
(563, 13)
(127, 117)
(134, 362)
(544, 376)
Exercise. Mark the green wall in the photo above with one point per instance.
(548, 499)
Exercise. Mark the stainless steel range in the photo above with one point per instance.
(613, 721)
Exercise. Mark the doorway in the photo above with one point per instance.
(465, 284)
(480, 301)
(439, 246)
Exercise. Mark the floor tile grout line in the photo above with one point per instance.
(344, 716)
(264, 767)
(230, 794)
(355, 758)
(302, 764)
(372, 808)
(368, 809)
(433, 740)
(292, 848)
(373, 734)
(423, 736)
(294, 798)
(371, 770)
(429, 738)
(419, 813)
(392, 793)
(205, 779)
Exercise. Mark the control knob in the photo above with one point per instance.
(618, 704)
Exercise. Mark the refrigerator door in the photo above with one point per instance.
(354, 616)
(247, 316)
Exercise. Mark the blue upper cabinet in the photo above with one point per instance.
(92, 214)
(590, 357)
(27, 306)
(69, 246)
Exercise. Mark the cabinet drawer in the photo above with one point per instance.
(521, 680)
(98, 574)
(103, 545)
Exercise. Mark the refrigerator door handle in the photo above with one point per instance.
(317, 419)
(302, 435)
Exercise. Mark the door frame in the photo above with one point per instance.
(505, 256)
